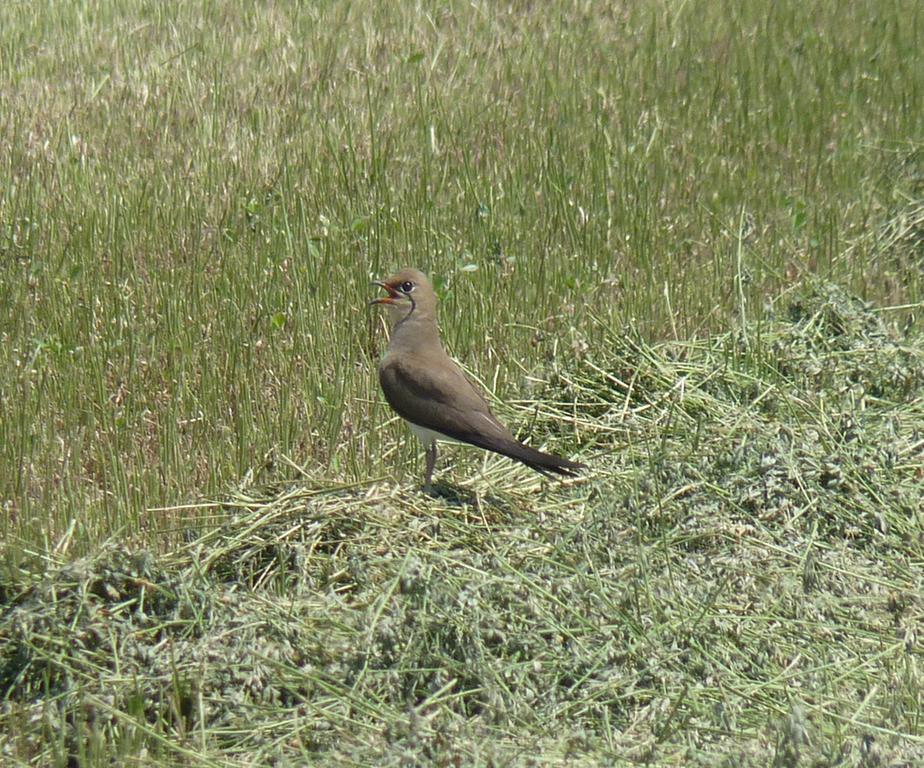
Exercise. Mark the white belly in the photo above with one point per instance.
(427, 436)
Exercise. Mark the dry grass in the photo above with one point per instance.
(737, 581)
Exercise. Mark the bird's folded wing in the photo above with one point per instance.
(441, 398)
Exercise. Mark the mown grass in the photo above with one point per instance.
(193, 199)
(739, 584)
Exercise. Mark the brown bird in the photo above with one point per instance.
(431, 393)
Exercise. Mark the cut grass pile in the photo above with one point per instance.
(737, 581)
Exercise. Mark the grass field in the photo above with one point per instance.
(681, 242)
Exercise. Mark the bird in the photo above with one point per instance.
(429, 390)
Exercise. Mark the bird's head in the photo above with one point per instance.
(409, 292)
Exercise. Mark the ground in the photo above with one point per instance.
(681, 243)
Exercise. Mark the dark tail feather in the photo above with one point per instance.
(544, 463)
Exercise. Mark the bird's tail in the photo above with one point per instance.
(546, 463)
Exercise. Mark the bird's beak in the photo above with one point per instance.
(392, 297)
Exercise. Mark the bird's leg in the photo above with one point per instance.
(431, 463)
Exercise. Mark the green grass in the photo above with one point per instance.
(193, 200)
(193, 205)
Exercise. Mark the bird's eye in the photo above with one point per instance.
(407, 286)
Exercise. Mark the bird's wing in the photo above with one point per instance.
(441, 398)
